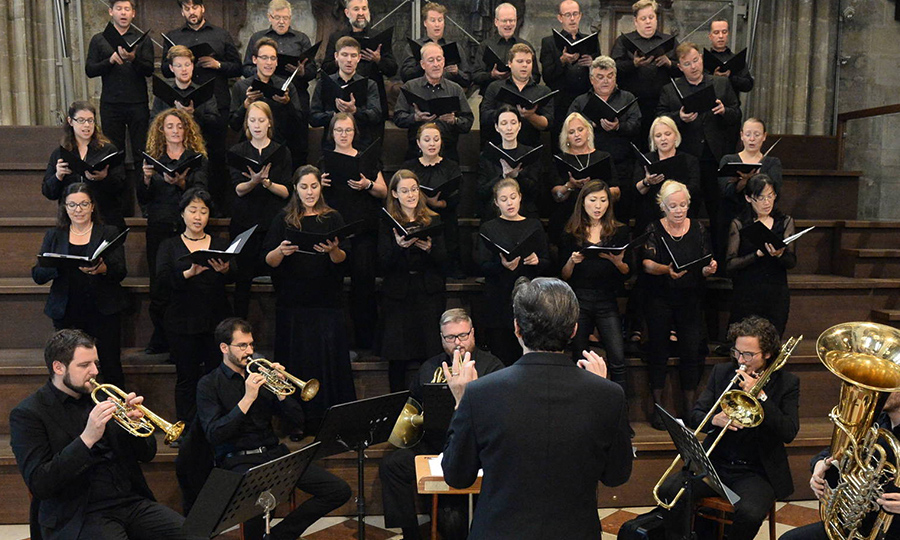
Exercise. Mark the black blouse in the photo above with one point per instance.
(161, 198)
(303, 280)
(259, 206)
(107, 193)
(745, 267)
(435, 175)
(197, 304)
(398, 263)
(595, 273)
(354, 205)
(692, 245)
(490, 171)
(646, 208)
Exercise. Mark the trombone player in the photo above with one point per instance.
(82, 471)
(235, 412)
(751, 461)
(398, 469)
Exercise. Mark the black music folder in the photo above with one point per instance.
(492, 59)
(408, 232)
(62, 260)
(702, 100)
(673, 168)
(437, 105)
(184, 163)
(114, 38)
(734, 64)
(595, 249)
(447, 189)
(641, 49)
(241, 163)
(735, 167)
(525, 159)
(688, 262)
(306, 240)
(196, 95)
(270, 90)
(358, 89)
(202, 256)
(510, 97)
(451, 52)
(588, 45)
(759, 235)
(341, 167)
(596, 109)
(200, 50)
(384, 39)
(285, 60)
(92, 165)
(594, 169)
(511, 250)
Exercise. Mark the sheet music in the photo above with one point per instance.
(434, 466)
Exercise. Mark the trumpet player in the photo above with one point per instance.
(752, 462)
(889, 419)
(235, 413)
(398, 469)
(84, 473)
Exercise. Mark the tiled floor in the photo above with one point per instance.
(787, 516)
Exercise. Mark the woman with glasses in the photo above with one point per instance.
(674, 297)
(492, 167)
(357, 199)
(88, 298)
(413, 287)
(310, 330)
(83, 138)
(759, 273)
(197, 299)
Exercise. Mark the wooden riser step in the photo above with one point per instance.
(886, 316)
(869, 262)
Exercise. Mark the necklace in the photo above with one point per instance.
(580, 164)
(186, 237)
(86, 231)
(672, 234)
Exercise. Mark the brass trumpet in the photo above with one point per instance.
(142, 427)
(741, 407)
(282, 383)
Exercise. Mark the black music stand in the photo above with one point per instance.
(695, 461)
(356, 426)
(229, 498)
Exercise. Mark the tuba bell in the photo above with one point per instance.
(141, 427)
(866, 357)
(409, 427)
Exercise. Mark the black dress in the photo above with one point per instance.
(311, 339)
(435, 175)
(645, 207)
(497, 315)
(759, 284)
(108, 193)
(490, 171)
(196, 306)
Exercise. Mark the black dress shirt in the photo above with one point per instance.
(323, 109)
(227, 428)
(616, 142)
(570, 79)
(741, 81)
(225, 52)
(411, 68)
(405, 114)
(645, 82)
(481, 74)
(293, 42)
(107, 193)
(125, 83)
(161, 198)
(529, 134)
(287, 117)
(206, 114)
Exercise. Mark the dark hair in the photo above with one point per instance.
(195, 193)
(546, 311)
(62, 217)
(226, 329)
(61, 346)
(329, 135)
(262, 42)
(507, 109)
(112, 3)
(185, 2)
(68, 138)
(346, 41)
(579, 223)
(753, 189)
(761, 329)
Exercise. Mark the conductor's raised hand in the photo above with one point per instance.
(593, 362)
(460, 374)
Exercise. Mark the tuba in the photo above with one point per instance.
(409, 427)
(282, 383)
(141, 427)
(741, 407)
(866, 357)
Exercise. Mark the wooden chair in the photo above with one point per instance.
(718, 509)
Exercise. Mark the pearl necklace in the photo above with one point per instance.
(76, 233)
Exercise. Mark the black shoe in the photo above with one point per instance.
(657, 423)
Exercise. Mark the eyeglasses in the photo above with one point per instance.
(764, 198)
(341, 131)
(83, 205)
(82, 121)
(570, 15)
(267, 58)
(453, 337)
(744, 355)
(241, 346)
(407, 191)
(280, 18)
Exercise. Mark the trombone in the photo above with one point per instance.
(140, 427)
(282, 383)
(741, 407)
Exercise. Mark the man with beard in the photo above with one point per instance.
(398, 469)
(235, 414)
(83, 472)
(374, 64)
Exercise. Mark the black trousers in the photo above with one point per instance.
(398, 494)
(250, 263)
(813, 531)
(363, 299)
(107, 330)
(757, 497)
(680, 307)
(603, 315)
(156, 233)
(218, 179)
(328, 493)
(135, 117)
(138, 520)
(194, 355)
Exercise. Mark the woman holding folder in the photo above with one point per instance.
(733, 186)
(262, 189)
(83, 143)
(440, 180)
(499, 162)
(413, 265)
(526, 254)
(310, 333)
(759, 272)
(596, 275)
(354, 199)
(196, 288)
(676, 259)
(88, 298)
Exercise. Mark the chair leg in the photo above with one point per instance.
(434, 515)
(772, 535)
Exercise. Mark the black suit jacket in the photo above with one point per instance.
(715, 130)
(56, 464)
(779, 427)
(108, 293)
(545, 432)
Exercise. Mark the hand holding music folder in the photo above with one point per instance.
(384, 39)
(734, 64)
(510, 97)
(437, 106)
(594, 169)
(674, 167)
(687, 262)
(596, 250)
(759, 235)
(269, 90)
(446, 190)
(492, 60)
(114, 38)
(646, 50)
(509, 251)
(588, 45)
(358, 89)
(285, 60)
(341, 167)
(732, 169)
(92, 165)
(192, 96)
(184, 163)
(241, 163)
(597, 109)
(307, 241)
(202, 256)
(408, 232)
(62, 260)
(524, 160)
(702, 100)
(451, 52)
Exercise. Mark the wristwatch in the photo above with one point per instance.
(370, 186)
(645, 182)
(266, 183)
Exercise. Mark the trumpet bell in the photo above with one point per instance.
(310, 389)
(408, 429)
(173, 431)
